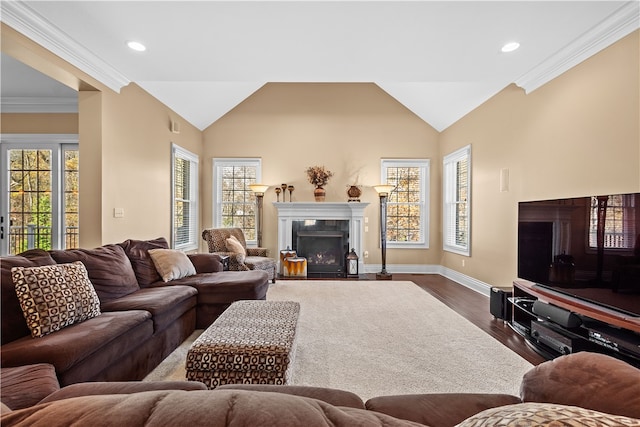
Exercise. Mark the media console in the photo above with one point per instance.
(554, 324)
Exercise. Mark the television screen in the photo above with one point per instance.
(587, 247)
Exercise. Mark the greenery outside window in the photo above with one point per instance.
(185, 199)
(234, 202)
(408, 203)
(457, 201)
(39, 206)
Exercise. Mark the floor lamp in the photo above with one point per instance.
(383, 192)
(259, 190)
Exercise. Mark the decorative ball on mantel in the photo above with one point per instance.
(354, 192)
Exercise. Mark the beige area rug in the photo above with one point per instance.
(380, 338)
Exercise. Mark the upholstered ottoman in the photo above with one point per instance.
(252, 342)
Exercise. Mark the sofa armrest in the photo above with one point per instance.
(264, 252)
(331, 396)
(438, 410)
(206, 263)
(24, 386)
(120, 387)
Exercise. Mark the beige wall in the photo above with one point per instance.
(348, 128)
(63, 123)
(577, 135)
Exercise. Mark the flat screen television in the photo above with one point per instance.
(586, 247)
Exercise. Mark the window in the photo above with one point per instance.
(408, 203)
(185, 199)
(234, 202)
(40, 195)
(457, 201)
(619, 225)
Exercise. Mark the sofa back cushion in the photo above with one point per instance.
(589, 380)
(13, 324)
(138, 253)
(109, 269)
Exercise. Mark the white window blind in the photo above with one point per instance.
(185, 199)
(457, 201)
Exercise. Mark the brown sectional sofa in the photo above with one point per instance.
(575, 390)
(142, 319)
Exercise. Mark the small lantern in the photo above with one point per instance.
(352, 264)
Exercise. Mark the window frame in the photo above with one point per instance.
(218, 164)
(58, 144)
(425, 169)
(178, 152)
(449, 192)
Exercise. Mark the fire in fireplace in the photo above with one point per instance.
(324, 243)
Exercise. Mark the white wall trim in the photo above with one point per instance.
(464, 280)
(37, 104)
(619, 24)
(28, 22)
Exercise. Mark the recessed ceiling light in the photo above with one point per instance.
(510, 47)
(137, 46)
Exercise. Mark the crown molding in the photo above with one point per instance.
(619, 24)
(32, 104)
(28, 22)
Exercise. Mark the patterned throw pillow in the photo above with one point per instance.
(545, 415)
(55, 296)
(172, 264)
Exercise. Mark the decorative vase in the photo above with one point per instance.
(354, 192)
(319, 193)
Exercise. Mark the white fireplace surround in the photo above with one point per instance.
(300, 211)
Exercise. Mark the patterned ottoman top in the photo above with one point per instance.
(269, 325)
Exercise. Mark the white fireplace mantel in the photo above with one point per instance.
(296, 211)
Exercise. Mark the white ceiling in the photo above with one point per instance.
(441, 59)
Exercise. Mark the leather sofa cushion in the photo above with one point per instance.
(165, 303)
(228, 286)
(24, 386)
(119, 387)
(14, 325)
(199, 408)
(206, 263)
(138, 253)
(332, 396)
(109, 269)
(97, 341)
(606, 384)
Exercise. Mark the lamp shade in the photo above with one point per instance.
(384, 189)
(258, 188)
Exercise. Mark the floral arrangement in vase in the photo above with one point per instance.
(318, 175)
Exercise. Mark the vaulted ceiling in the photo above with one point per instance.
(441, 59)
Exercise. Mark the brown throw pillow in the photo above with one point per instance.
(172, 264)
(234, 245)
(55, 296)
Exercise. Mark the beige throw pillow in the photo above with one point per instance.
(55, 296)
(172, 264)
(234, 245)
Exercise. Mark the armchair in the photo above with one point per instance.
(251, 259)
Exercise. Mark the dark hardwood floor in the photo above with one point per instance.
(472, 306)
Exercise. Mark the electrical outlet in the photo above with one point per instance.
(366, 254)
(463, 263)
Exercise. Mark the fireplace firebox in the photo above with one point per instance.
(324, 243)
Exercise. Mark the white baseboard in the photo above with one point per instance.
(468, 281)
